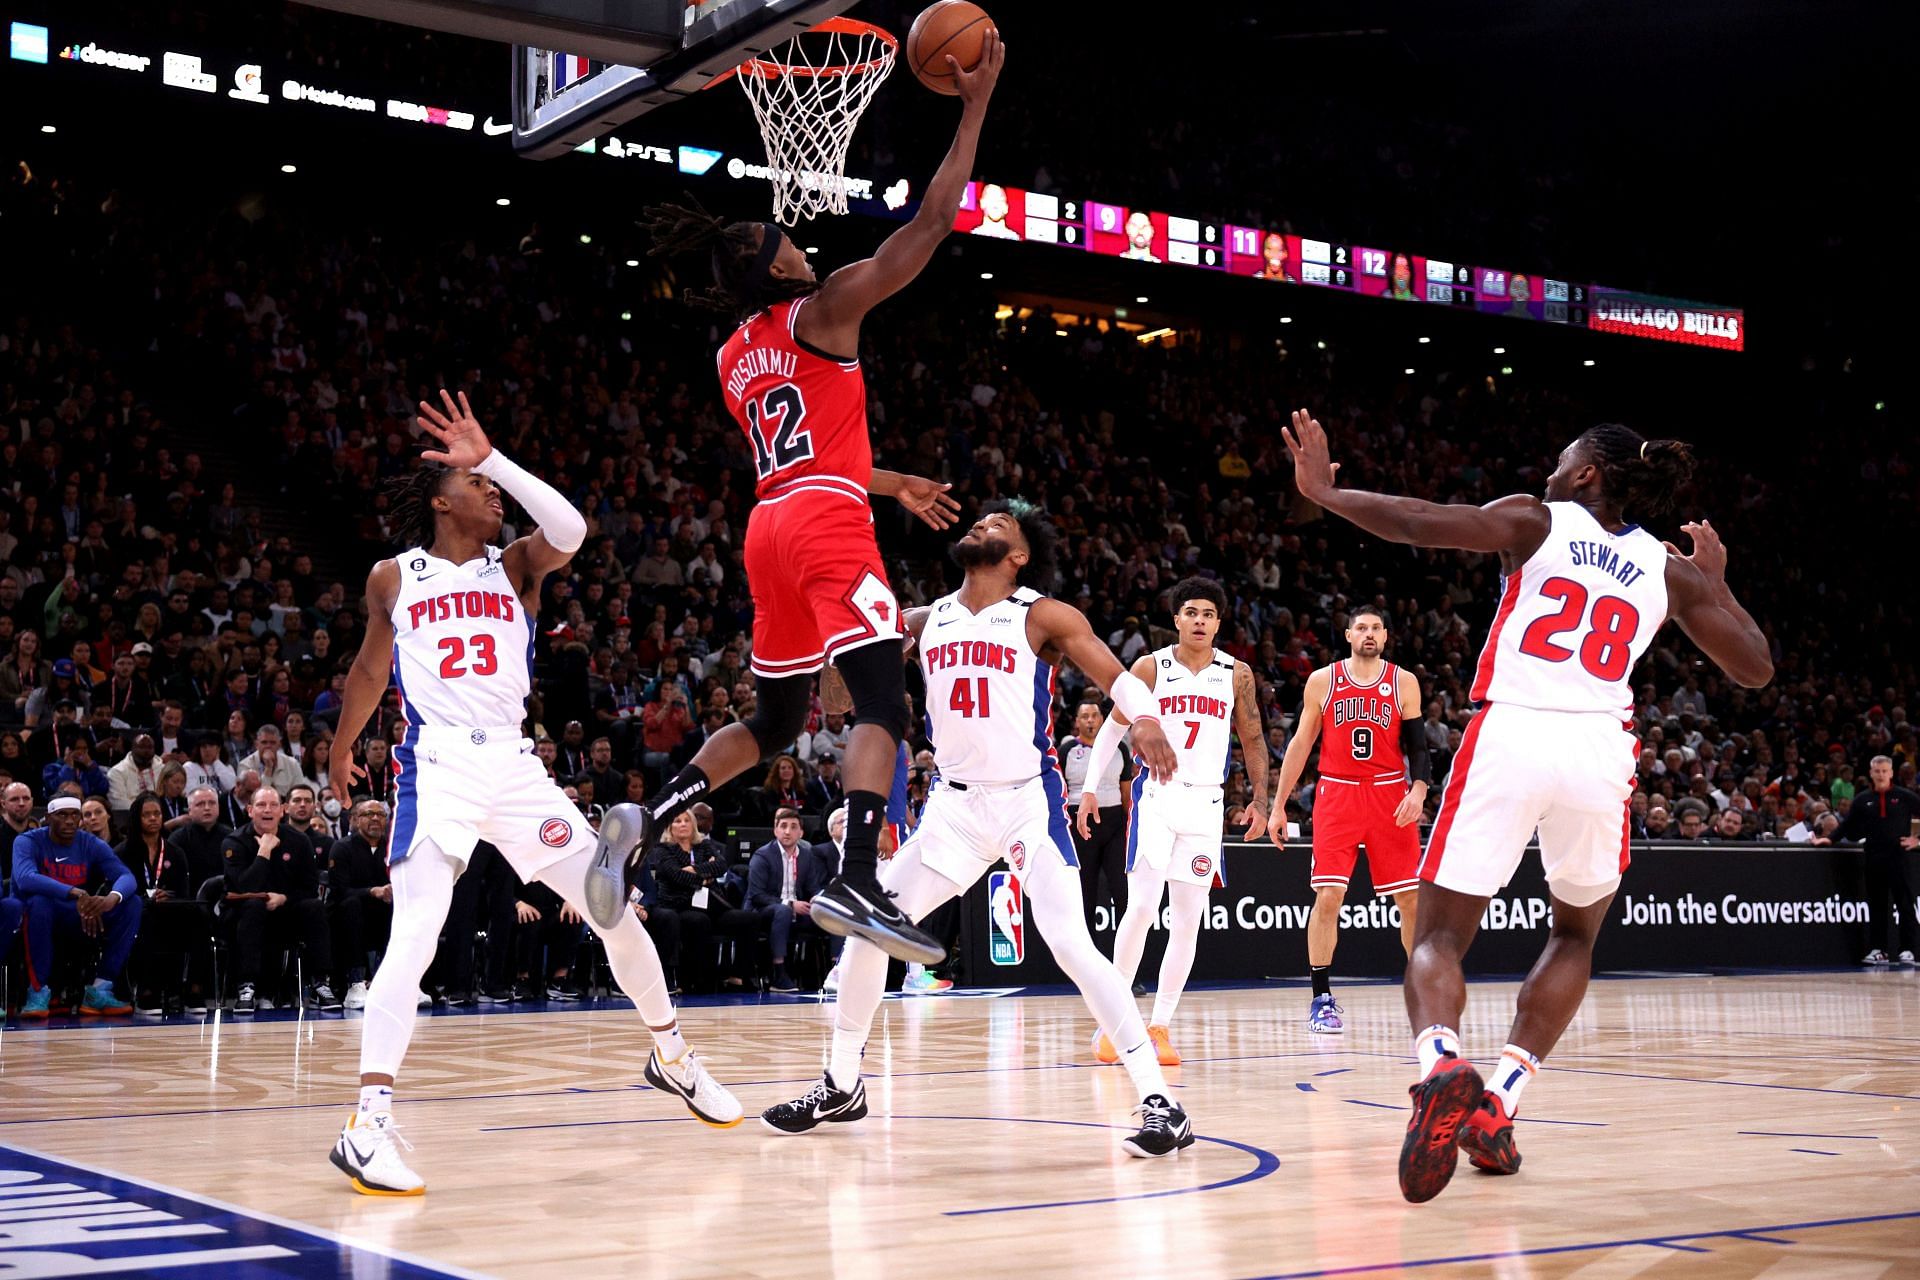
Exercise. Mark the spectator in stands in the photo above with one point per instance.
(1659, 822)
(273, 898)
(1692, 823)
(236, 804)
(77, 767)
(70, 883)
(171, 738)
(665, 723)
(359, 897)
(61, 686)
(378, 782)
(1730, 827)
(172, 925)
(570, 759)
(276, 768)
(546, 944)
(609, 784)
(782, 878)
(96, 819)
(832, 736)
(783, 788)
(199, 846)
(207, 768)
(135, 774)
(25, 671)
(688, 872)
(1886, 822)
(824, 789)
(16, 818)
(304, 816)
(128, 694)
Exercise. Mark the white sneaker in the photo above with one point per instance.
(1875, 957)
(832, 984)
(424, 1001)
(687, 1079)
(367, 1153)
(356, 997)
(1905, 957)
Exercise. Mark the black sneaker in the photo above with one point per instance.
(822, 1104)
(868, 911)
(245, 1002)
(782, 984)
(495, 995)
(1431, 1149)
(1164, 1129)
(564, 991)
(626, 832)
(459, 999)
(324, 998)
(524, 990)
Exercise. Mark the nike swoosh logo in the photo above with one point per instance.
(423, 577)
(495, 130)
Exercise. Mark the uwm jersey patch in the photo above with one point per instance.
(1360, 726)
(804, 410)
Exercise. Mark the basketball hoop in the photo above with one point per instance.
(808, 96)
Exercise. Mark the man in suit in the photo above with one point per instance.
(782, 878)
(273, 893)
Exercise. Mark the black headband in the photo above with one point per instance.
(770, 238)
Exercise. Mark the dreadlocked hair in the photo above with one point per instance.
(1042, 569)
(410, 503)
(733, 248)
(1644, 476)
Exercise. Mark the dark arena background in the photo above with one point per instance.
(242, 243)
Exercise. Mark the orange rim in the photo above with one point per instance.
(769, 67)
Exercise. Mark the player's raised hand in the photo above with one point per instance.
(929, 500)
(1313, 469)
(976, 86)
(458, 431)
(1088, 815)
(1709, 553)
(1151, 745)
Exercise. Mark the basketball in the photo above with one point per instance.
(951, 27)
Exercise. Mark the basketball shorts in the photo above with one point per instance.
(455, 786)
(1567, 774)
(965, 830)
(818, 583)
(1175, 832)
(1349, 814)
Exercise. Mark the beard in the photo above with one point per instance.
(983, 554)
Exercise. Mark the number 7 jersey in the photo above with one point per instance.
(804, 410)
(1575, 619)
(462, 642)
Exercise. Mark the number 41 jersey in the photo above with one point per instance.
(804, 410)
(462, 642)
(1576, 618)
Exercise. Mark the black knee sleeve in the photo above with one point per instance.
(780, 707)
(876, 676)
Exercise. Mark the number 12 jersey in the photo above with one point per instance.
(804, 410)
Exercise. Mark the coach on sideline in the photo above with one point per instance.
(1883, 821)
(1106, 849)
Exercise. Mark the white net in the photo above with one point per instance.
(808, 96)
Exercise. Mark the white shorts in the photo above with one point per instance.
(1174, 832)
(454, 786)
(1567, 773)
(966, 829)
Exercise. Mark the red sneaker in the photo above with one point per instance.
(1431, 1148)
(1487, 1137)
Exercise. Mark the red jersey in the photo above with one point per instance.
(804, 410)
(1360, 727)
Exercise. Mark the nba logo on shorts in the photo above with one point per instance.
(1006, 919)
(555, 832)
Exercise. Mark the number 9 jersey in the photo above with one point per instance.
(1576, 618)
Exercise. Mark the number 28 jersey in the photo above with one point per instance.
(804, 410)
(1576, 618)
(462, 642)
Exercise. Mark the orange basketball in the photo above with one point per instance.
(950, 28)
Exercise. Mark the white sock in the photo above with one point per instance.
(914, 971)
(375, 1100)
(843, 1064)
(1434, 1042)
(1510, 1076)
(668, 1040)
(1143, 1065)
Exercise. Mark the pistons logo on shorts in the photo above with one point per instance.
(1202, 865)
(556, 832)
(1017, 855)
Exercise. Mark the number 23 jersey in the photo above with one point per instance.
(462, 642)
(804, 410)
(1576, 618)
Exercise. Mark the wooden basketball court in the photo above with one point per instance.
(1688, 1126)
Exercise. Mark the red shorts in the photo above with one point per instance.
(1347, 815)
(817, 581)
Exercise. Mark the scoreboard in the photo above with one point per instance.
(1397, 274)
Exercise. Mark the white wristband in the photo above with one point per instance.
(560, 520)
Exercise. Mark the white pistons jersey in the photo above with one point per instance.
(989, 697)
(1576, 618)
(1196, 714)
(462, 642)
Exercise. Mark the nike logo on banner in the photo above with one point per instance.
(495, 130)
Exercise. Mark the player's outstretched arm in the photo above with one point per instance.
(1517, 524)
(1253, 746)
(368, 678)
(927, 499)
(831, 321)
(1306, 732)
(1053, 627)
(1701, 602)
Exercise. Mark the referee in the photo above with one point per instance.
(1106, 851)
(1886, 822)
